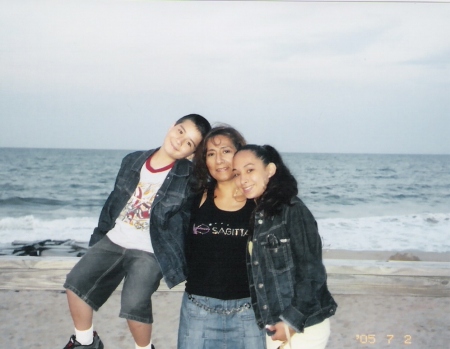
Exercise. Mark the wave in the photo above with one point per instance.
(19, 201)
(39, 204)
(423, 232)
(386, 169)
(30, 228)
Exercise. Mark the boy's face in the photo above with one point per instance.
(182, 140)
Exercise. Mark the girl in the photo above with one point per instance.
(216, 308)
(287, 277)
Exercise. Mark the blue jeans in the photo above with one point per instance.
(213, 328)
(98, 273)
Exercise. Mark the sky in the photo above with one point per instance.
(311, 77)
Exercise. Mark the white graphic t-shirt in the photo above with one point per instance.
(132, 230)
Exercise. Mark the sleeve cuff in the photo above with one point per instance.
(294, 318)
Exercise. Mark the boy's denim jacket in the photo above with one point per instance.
(288, 281)
(169, 216)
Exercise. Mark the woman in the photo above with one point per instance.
(216, 308)
(287, 277)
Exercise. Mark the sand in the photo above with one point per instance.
(40, 318)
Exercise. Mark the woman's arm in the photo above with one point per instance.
(309, 271)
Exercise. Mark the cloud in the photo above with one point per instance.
(333, 70)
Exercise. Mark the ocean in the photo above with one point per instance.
(361, 201)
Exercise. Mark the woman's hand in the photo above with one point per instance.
(279, 331)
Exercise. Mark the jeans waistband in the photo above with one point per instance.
(219, 311)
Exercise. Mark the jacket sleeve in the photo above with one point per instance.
(186, 209)
(310, 275)
(105, 221)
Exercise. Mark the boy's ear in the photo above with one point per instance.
(272, 168)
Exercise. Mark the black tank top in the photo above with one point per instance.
(216, 251)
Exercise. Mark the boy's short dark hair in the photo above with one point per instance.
(203, 125)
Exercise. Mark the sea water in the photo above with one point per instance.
(360, 201)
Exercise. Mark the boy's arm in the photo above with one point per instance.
(186, 208)
(98, 233)
(96, 236)
(105, 221)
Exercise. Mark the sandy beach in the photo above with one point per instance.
(40, 318)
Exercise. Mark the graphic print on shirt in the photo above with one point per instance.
(137, 210)
(218, 229)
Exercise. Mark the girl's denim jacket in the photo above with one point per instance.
(288, 281)
(169, 215)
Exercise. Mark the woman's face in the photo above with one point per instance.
(251, 174)
(219, 158)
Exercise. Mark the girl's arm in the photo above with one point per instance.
(309, 271)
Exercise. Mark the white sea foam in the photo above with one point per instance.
(29, 228)
(406, 196)
(425, 232)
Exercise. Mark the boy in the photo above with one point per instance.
(140, 237)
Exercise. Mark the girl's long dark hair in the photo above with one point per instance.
(201, 179)
(282, 186)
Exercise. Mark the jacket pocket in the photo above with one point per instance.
(167, 209)
(279, 258)
(171, 203)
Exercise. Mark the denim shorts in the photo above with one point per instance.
(98, 273)
(202, 327)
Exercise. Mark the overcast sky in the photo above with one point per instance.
(347, 77)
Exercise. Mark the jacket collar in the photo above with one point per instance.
(181, 167)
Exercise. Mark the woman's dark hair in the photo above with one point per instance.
(201, 177)
(282, 186)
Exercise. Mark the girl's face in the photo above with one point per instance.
(251, 174)
(219, 158)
